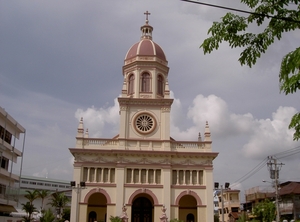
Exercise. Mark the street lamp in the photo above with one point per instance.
(77, 189)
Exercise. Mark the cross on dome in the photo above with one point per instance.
(147, 14)
(146, 29)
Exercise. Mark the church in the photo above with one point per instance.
(143, 174)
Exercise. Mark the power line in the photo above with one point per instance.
(287, 153)
(242, 11)
(262, 164)
(257, 168)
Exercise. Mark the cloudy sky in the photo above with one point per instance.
(62, 60)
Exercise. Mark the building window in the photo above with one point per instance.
(131, 84)
(105, 175)
(150, 176)
(85, 174)
(4, 163)
(187, 177)
(92, 174)
(160, 85)
(145, 87)
(4, 134)
(112, 175)
(201, 182)
(143, 176)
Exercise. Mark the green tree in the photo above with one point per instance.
(265, 211)
(216, 218)
(59, 201)
(66, 214)
(115, 219)
(277, 17)
(242, 217)
(48, 216)
(31, 195)
(29, 209)
(43, 194)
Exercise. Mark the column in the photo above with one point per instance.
(88, 174)
(102, 174)
(177, 175)
(132, 175)
(154, 176)
(95, 174)
(184, 172)
(191, 178)
(108, 175)
(147, 180)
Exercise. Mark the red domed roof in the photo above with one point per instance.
(145, 47)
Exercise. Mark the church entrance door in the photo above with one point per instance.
(142, 210)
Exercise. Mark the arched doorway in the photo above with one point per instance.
(142, 209)
(97, 207)
(190, 218)
(92, 216)
(188, 208)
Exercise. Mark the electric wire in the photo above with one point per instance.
(280, 155)
(242, 11)
(287, 153)
(257, 168)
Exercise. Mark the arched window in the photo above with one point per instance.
(160, 85)
(145, 82)
(131, 84)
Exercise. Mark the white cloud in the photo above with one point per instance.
(272, 135)
(100, 122)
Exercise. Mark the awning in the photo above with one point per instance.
(7, 208)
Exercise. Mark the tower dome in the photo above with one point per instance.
(146, 47)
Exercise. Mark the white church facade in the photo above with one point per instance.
(143, 174)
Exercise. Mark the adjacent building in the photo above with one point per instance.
(289, 204)
(143, 174)
(10, 131)
(229, 205)
(31, 183)
(288, 199)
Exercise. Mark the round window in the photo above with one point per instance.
(144, 123)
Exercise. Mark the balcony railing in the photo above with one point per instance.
(194, 146)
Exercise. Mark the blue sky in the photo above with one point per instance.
(62, 60)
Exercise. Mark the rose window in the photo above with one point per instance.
(145, 123)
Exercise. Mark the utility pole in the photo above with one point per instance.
(222, 203)
(274, 168)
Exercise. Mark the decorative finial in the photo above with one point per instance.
(147, 13)
(80, 129)
(207, 133)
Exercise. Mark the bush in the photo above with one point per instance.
(115, 219)
(48, 216)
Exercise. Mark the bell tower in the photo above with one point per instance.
(145, 102)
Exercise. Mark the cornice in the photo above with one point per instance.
(150, 158)
(124, 101)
